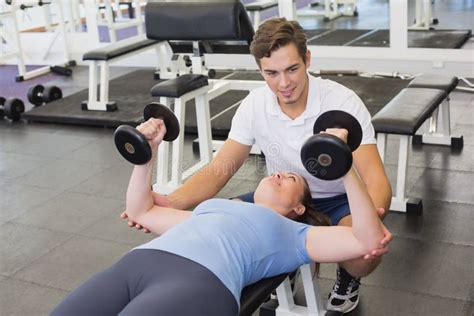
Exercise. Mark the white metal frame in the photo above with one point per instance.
(312, 291)
(423, 15)
(113, 27)
(98, 98)
(164, 184)
(13, 39)
(439, 135)
(470, 85)
(255, 15)
(399, 201)
(207, 145)
(331, 9)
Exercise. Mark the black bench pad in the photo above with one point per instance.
(175, 88)
(260, 5)
(405, 113)
(254, 295)
(195, 21)
(446, 83)
(118, 49)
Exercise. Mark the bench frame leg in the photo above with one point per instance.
(440, 135)
(163, 183)
(314, 302)
(99, 99)
(400, 202)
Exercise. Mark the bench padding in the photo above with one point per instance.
(175, 88)
(405, 113)
(118, 49)
(446, 83)
(195, 21)
(260, 5)
(255, 294)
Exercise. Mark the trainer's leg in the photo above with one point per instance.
(105, 293)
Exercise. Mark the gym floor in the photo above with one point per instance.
(63, 188)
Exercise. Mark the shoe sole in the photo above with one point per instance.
(337, 309)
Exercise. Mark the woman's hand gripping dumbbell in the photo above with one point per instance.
(135, 144)
(327, 155)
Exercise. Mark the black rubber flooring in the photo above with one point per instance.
(132, 93)
(381, 38)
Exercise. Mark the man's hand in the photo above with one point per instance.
(387, 238)
(159, 200)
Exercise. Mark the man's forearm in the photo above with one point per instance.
(381, 193)
(203, 185)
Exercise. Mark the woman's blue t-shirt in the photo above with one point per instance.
(239, 242)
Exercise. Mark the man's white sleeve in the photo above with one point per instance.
(241, 129)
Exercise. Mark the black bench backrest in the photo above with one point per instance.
(198, 21)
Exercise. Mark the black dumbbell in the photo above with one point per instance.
(39, 94)
(11, 108)
(326, 156)
(133, 146)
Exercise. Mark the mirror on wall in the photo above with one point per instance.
(444, 24)
(363, 23)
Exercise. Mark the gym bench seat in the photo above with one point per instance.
(254, 9)
(100, 59)
(438, 135)
(403, 115)
(177, 92)
(256, 294)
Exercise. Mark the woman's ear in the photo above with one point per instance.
(299, 209)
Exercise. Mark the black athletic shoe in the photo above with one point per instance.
(345, 293)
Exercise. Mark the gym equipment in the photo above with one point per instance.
(99, 61)
(11, 36)
(133, 146)
(326, 156)
(39, 94)
(332, 10)
(12, 108)
(403, 115)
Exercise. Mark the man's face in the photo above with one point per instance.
(285, 73)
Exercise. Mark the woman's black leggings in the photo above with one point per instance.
(150, 282)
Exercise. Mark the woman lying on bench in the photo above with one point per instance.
(203, 259)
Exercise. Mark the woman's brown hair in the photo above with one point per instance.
(311, 216)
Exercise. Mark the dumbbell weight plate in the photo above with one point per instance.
(14, 108)
(326, 157)
(340, 119)
(35, 95)
(157, 110)
(2, 103)
(52, 93)
(132, 145)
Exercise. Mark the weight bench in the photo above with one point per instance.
(177, 92)
(435, 135)
(254, 9)
(176, 21)
(403, 115)
(100, 59)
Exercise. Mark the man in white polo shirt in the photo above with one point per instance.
(278, 118)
